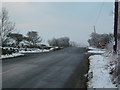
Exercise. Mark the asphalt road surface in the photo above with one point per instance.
(58, 69)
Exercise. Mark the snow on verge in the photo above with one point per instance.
(10, 56)
(99, 51)
(101, 77)
(22, 52)
(95, 50)
(98, 74)
(34, 51)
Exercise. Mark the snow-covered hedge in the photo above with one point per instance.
(8, 50)
(114, 62)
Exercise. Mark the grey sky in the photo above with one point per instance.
(59, 19)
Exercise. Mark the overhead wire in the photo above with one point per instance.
(99, 13)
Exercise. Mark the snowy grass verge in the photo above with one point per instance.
(99, 70)
(100, 77)
(95, 50)
(11, 56)
(34, 51)
(22, 52)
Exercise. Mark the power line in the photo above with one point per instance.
(100, 10)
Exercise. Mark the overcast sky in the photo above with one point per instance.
(59, 19)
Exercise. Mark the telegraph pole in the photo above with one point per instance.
(115, 26)
(94, 29)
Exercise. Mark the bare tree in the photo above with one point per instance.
(53, 42)
(73, 44)
(60, 42)
(6, 26)
(100, 40)
(63, 42)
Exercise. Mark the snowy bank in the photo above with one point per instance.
(34, 51)
(11, 56)
(22, 51)
(99, 70)
(101, 77)
(96, 50)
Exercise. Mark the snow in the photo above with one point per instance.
(34, 51)
(93, 51)
(11, 41)
(10, 56)
(96, 50)
(98, 74)
(101, 76)
(9, 48)
(92, 48)
(22, 52)
(24, 42)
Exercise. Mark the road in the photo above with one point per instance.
(58, 69)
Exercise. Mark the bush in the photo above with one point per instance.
(100, 40)
(8, 51)
(60, 42)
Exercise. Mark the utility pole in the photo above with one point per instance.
(115, 26)
(94, 30)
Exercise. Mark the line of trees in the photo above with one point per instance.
(60, 42)
(100, 40)
(32, 39)
(7, 27)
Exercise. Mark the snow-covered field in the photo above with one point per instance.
(98, 74)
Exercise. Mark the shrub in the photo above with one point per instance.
(8, 51)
